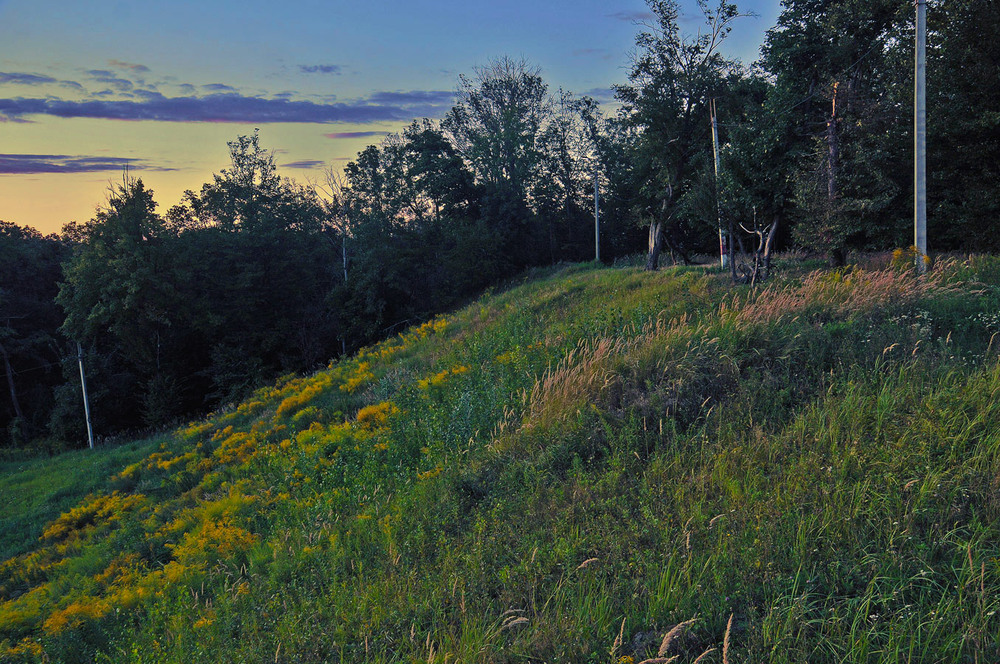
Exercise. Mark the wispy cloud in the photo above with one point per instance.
(632, 17)
(111, 79)
(218, 87)
(131, 66)
(435, 97)
(601, 95)
(304, 164)
(355, 134)
(320, 69)
(602, 53)
(20, 78)
(119, 92)
(23, 164)
(233, 107)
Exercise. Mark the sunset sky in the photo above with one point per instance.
(87, 86)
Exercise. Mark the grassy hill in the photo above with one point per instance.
(597, 465)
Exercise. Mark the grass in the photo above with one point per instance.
(568, 470)
(35, 491)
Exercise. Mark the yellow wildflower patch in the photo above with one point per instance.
(103, 510)
(440, 377)
(83, 610)
(318, 384)
(25, 648)
(433, 472)
(362, 374)
(377, 415)
(215, 540)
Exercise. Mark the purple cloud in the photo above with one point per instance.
(601, 95)
(355, 134)
(233, 107)
(435, 97)
(320, 69)
(218, 87)
(109, 78)
(305, 163)
(128, 65)
(25, 79)
(23, 164)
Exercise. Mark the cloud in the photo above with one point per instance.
(602, 53)
(118, 64)
(414, 97)
(355, 134)
(111, 79)
(601, 95)
(218, 87)
(234, 107)
(632, 17)
(19, 78)
(23, 164)
(320, 69)
(305, 163)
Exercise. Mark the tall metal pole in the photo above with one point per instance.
(920, 140)
(86, 401)
(718, 207)
(597, 218)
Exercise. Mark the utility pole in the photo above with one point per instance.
(597, 217)
(920, 140)
(718, 207)
(343, 246)
(86, 401)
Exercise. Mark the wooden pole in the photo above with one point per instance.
(597, 218)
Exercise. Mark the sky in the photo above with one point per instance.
(90, 86)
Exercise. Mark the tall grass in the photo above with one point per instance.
(597, 465)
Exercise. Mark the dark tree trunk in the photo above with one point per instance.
(10, 385)
(675, 248)
(655, 245)
(769, 247)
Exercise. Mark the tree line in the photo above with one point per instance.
(255, 275)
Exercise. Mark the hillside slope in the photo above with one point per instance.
(565, 472)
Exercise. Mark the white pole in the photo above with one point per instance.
(718, 207)
(86, 401)
(920, 140)
(597, 218)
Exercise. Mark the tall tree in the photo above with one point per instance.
(495, 127)
(30, 343)
(835, 62)
(671, 82)
(963, 125)
(120, 298)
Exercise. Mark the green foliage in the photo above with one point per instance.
(673, 79)
(29, 330)
(563, 472)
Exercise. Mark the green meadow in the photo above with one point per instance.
(591, 464)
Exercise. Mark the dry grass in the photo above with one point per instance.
(725, 640)
(843, 292)
(577, 379)
(674, 633)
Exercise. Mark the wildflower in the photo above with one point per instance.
(377, 415)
